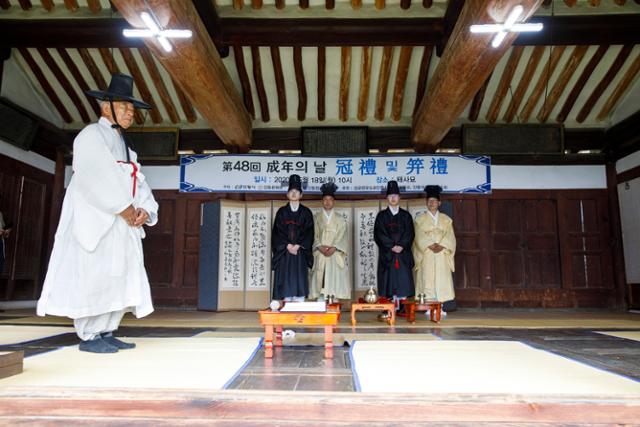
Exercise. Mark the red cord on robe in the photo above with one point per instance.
(134, 174)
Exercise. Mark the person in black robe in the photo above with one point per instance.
(292, 246)
(393, 233)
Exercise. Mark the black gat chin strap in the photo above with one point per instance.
(123, 134)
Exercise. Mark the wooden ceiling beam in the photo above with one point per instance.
(383, 82)
(279, 79)
(94, 6)
(187, 108)
(580, 83)
(25, 4)
(300, 83)
(345, 80)
(331, 32)
(259, 83)
(365, 83)
(478, 99)
(322, 66)
(47, 5)
(48, 90)
(401, 80)
(157, 81)
(561, 82)
(75, 72)
(621, 88)
(505, 83)
(65, 83)
(524, 83)
(4, 4)
(107, 32)
(467, 61)
(71, 5)
(197, 67)
(542, 83)
(211, 20)
(604, 83)
(241, 68)
(423, 74)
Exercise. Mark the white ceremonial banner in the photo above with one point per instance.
(258, 266)
(365, 249)
(270, 174)
(232, 248)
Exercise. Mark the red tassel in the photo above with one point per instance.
(397, 264)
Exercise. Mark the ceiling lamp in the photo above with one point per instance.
(509, 26)
(155, 30)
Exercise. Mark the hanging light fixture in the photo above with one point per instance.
(155, 30)
(509, 26)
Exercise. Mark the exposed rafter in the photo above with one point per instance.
(466, 63)
(196, 65)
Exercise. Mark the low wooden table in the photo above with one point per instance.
(388, 307)
(434, 307)
(277, 319)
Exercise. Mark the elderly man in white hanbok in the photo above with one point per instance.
(96, 273)
(330, 276)
(434, 247)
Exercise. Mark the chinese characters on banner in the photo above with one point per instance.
(365, 250)
(258, 272)
(258, 173)
(232, 248)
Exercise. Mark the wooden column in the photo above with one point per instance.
(57, 195)
(196, 66)
(617, 249)
(467, 61)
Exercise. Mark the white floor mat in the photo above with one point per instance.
(171, 363)
(434, 367)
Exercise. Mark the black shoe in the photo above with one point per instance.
(97, 345)
(117, 343)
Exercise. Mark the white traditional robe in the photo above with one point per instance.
(97, 264)
(433, 271)
(330, 275)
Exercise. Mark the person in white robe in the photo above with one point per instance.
(434, 248)
(96, 273)
(330, 275)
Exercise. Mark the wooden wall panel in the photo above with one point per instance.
(516, 248)
(26, 199)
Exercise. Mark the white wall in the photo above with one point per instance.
(28, 157)
(629, 162)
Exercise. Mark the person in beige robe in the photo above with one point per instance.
(330, 275)
(434, 247)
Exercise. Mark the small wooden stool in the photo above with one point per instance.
(434, 307)
(388, 307)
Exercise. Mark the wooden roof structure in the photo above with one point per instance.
(278, 64)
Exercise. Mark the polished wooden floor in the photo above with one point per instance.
(299, 386)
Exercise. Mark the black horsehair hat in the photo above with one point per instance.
(120, 89)
(295, 183)
(329, 189)
(433, 191)
(392, 188)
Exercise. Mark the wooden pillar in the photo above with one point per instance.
(56, 197)
(623, 293)
(467, 61)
